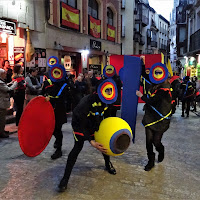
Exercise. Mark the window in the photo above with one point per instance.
(93, 8)
(72, 3)
(109, 17)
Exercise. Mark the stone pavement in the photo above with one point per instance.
(177, 177)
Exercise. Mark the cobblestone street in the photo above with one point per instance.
(177, 177)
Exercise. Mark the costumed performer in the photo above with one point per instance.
(156, 119)
(86, 119)
(56, 91)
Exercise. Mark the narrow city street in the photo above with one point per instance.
(177, 177)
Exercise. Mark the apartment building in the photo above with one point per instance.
(81, 33)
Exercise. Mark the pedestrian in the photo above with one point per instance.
(91, 82)
(156, 119)
(7, 68)
(19, 92)
(187, 94)
(80, 88)
(33, 85)
(55, 91)
(4, 101)
(86, 119)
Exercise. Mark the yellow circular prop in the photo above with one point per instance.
(115, 135)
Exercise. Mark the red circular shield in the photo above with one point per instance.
(36, 126)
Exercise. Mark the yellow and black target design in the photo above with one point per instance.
(107, 91)
(147, 70)
(109, 71)
(158, 73)
(53, 60)
(57, 73)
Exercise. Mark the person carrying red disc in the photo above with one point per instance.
(55, 90)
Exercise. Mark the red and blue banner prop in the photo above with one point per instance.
(107, 91)
(109, 71)
(36, 126)
(131, 83)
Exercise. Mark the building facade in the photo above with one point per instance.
(163, 37)
(191, 49)
(81, 33)
(172, 36)
(128, 23)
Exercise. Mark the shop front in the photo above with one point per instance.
(192, 66)
(7, 34)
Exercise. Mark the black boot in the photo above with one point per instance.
(55, 145)
(57, 154)
(182, 114)
(63, 184)
(161, 154)
(4, 135)
(151, 162)
(110, 168)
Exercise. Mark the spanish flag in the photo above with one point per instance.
(95, 27)
(111, 33)
(70, 16)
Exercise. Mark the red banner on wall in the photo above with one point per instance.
(95, 27)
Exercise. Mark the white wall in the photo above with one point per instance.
(128, 22)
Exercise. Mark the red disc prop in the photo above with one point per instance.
(36, 126)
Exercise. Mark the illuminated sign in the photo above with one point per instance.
(8, 27)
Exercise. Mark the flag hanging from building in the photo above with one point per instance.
(70, 16)
(95, 27)
(169, 67)
(111, 33)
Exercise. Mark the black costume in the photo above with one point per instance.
(156, 120)
(57, 100)
(187, 95)
(86, 119)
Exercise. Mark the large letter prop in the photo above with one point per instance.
(36, 126)
(115, 135)
(131, 83)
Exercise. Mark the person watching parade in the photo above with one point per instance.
(4, 101)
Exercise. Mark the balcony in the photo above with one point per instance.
(154, 44)
(195, 41)
(142, 40)
(136, 37)
(123, 4)
(123, 32)
(163, 47)
(190, 3)
(143, 14)
(145, 20)
(185, 46)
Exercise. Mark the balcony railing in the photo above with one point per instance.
(136, 37)
(145, 20)
(153, 44)
(195, 41)
(142, 40)
(123, 31)
(162, 46)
